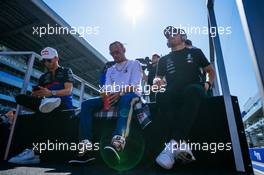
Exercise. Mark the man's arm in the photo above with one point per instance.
(68, 86)
(211, 73)
(136, 76)
(66, 91)
(207, 67)
(44, 92)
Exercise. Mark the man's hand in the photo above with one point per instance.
(42, 92)
(35, 93)
(114, 97)
(11, 115)
(159, 82)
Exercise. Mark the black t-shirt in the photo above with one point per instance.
(62, 75)
(182, 67)
(152, 74)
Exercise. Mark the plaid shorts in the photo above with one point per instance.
(113, 111)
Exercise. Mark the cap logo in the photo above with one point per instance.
(45, 52)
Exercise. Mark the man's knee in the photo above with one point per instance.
(126, 99)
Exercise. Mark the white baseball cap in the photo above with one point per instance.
(49, 53)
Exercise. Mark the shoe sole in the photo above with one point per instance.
(111, 155)
(50, 106)
(76, 162)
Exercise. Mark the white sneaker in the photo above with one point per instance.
(166, 158)
(49, 104)
(26, 157)
(180, 151)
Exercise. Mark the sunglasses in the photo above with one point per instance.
(46, 60)
(115, 53)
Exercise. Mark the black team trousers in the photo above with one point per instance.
(179, 108)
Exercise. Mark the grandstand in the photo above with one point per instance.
(16, 35)
(253, 121)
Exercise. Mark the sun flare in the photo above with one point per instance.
(134, 9)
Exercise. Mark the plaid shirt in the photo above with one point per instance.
(113, 111)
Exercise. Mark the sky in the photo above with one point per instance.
(141, 30)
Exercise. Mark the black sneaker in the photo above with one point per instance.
(83, 156)
(82, 159)
(112, 152)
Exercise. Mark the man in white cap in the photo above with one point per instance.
(53, 94)
(54, 88)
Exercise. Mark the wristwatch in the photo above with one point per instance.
(54, 93)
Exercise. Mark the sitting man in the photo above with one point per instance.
(53, 93)
(184, 92)
(121, 84)
(54, 88)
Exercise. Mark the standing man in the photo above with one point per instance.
(153, 69)
(152, 73)
(121, 84)
(184, 92)
(53, 93)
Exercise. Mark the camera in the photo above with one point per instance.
(145, 63)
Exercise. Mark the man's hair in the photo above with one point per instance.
(156, 55)
(116, 42)
(188, 42)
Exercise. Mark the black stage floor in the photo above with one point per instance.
(101, 169)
